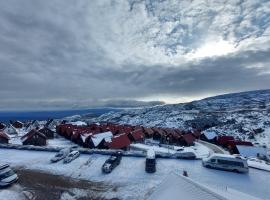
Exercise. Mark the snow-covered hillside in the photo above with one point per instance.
(245, 114)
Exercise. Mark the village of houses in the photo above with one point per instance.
(177, 157)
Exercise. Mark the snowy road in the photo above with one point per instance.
(130, 177)
(214, 148)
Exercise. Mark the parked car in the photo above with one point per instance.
(150, 162)
(185, 155)
(111, 163)
(71, 156)
(226, 162)
(7, 176)
(60, 155)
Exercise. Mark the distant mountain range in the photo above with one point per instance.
(245, 114)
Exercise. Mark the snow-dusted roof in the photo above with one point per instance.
(175, 187)
(179, 187)
(11, 129)
(251, 151)
(151, 154)
(97, 138)
(84, 136)
(210, 135)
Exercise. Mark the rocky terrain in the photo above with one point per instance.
(245, 115)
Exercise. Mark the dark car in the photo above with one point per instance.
(7, 176)
(111, 163)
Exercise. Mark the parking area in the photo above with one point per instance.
(129, 180)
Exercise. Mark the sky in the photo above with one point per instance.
(64, 53)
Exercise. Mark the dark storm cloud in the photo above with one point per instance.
(82, 53)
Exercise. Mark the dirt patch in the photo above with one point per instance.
(37, 185)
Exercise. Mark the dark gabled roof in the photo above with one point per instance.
(4, 135)
(31, 133)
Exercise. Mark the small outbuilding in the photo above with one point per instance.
(35, 138)
(4, 138)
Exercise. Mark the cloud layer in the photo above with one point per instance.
(65, 53)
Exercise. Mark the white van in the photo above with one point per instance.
(226, 162)
(150, 162)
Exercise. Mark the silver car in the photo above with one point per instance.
(60, 155)
(71, 156)
(7, 176)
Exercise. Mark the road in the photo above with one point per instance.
(214, 148)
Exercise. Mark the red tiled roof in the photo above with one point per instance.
(4, 135)
(119, 142)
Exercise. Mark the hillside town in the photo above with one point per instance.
(75, 139)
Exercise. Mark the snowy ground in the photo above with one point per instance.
(130, 175)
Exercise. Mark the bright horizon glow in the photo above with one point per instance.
(210, 49)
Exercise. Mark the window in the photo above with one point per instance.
(231, 163)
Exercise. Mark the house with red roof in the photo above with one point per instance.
(158, 133)
(136, 136)
(35, 138)
(99, 140)
(4, 138)
(187, 140)
(232, 145)
(148, 132)
(120, 141)
(196, 133)
(224, 140)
